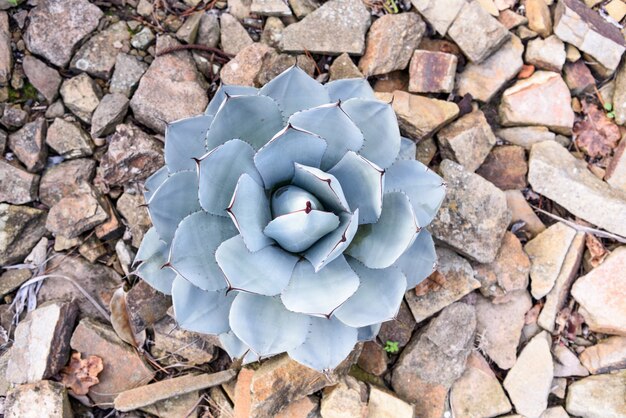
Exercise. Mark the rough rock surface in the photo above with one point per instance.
(50, 397)
(127, 73)
(607, 355)
(21, 227)
(600, 396)
(29, 146)
(439, 13)
(246, 66)
(97, 56)
(69, 139)
(17, 186)
(65, 179)
(546, 54)
(233, 35)
(76, 213)
(432, 72)
(45, 79)
(81, 95)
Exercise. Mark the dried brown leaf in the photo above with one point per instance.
(80, 374)
(596, 135)
(121, 321)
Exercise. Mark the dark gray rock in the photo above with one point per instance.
(21, 228)
(97, 56)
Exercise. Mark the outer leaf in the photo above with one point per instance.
(201, 311)
(297, 231)
(233, 345)
(153, 182)
(185, 140)
(294, 90)
(408, 149)
(362, 182)
(379, 125)
(424, 188)
(223, 91)
(368, 333)
(322, 292)
(265, 272)
(379, 245)
(332, 245)
(193, 249)
(219, 171)
(324, 186)
(275, 160)
(328, 343)
(176, 198)
(150, 245)
(377, 298)
(250, 211)
(419, 261)
(331, 123)
(263, 323)
(153, 272)
(350, 88)
(253, 119)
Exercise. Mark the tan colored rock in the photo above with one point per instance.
(542, 99)
(343, 67)
(383, 404)
(244, 68)
(439, 13)
(270, 8)
(69, 139)
(601, 294)
(521, 211)
(616, 171)
(546, 54)
(65, 179)
(526, 136)
(602, 396)
(28, 144)
(17, 186)
(81, 95)
(347, 399)
(234, 36)
(566, 363)
(616, 9)
(506, 167)
(42, 399)
(539, 19)
(432, 72)
(555, 412)
(607, 355)
(511, 20)
(75, 214)
(303, 408)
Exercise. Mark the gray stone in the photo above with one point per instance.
(477, 33)
(458, 281)
(81, 96)
(55, 110)
(45, 79)
(145, 306)
(272, 33)
(566, 363)
(274, 64)
(556, 174)
(41, 346)
(3, 141)
(270, 8)
(127, 73)
(584, 28)
(10, 280)
(13, 117)
(526, 136)
(602, 396)
(343, 67)
(234, 36)
(188, 32)
(97, 56)
(6, 54)
(239, 8)
(69, 140)
(439, 13)
(174, 345)
(65, 179)
(76, 213)
(50, 398)
(142, 39)
(21, 228)
(17, 186)
(616, 171)
(338, 26)
(171, 89)
(130, 206)
(607, 355)
(109, 113)
(209, 30)
(29, 146)
(546, 54)
(57, 26)
(301, 8)
(474, 215)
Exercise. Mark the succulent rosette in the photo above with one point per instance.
(284, 219)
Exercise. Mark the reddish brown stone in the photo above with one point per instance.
(17, 186)
(304, 408)
(65, 179)
(146, 306)
(396, 80)
(243, 396)
(373, 358)
(399, 329)
(29, 145)
(511, 20)
(578, 77)
(506, 167)
(113, 227)
(432, 72)
(75, 214)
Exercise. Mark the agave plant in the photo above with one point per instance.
(284, 219)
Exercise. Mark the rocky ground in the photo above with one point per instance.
(518, 105)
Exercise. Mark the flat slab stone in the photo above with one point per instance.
(439, 13)
(234, 36)
(17, 186)
(81, 95)
(45, 79)
(65, 179)
(270, 8)
(556, 174)
(97, 56)
(432, 72)
(50, 398)
(336, 27)
(600, 396)
(21, 228)
(607, 355)
(69, 139)
(383, 404)
(526, 136)
(127, 73)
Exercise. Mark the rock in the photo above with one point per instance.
(272, 32)
(526, 136)
(556, 412)
(274, 64)
(474, 215)
(440, 14)
(477, 393)
(602, 396)
(343, 67)
(346, 399)
(607, 355)
(601, 293)
(188, 32)
(13, 117)
(586, 30)
(619, 96)
(458, 280)
(542, 99)
(233, 35)
(109, 113)
(546, 54)
(390, 43)
(556, 174)
(477, 33)
(419, 116)
(142, 39)
(303, 408)
(209, 30)
(434, 359)
(270, 8)
(511, 20)
(145, 306)
(92, 248)
(41, 346)
(467, 140)
(566, 363)
(29, 146)
(56, 27)
(432, 72)
(336, 27)
(500, 326)
(616, 9)
(171, 89)
(578, 77)
(242, 394)
(45, 79)
(507, 273)
(175, 406)
(55, 110)
(616, 171)
(373, 358)
(3, 141)
(81, 95)
(21, 227)
(17, 186)
(389, 83)
(399, 329)
(246, 66)
(142, 396)
(383, 404)
(301, 8)
(240, 8)
(97, 56)
(556, 299)
(49, 397)
(75, 214)
(173, 345)
(127, 73)
(6, 54)
(529, 382)
(65, 179)
(130, 206)
(123, 369)
(10, 280)
(506, 167)
(538, 15)
(69, 140)
(132, 155)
